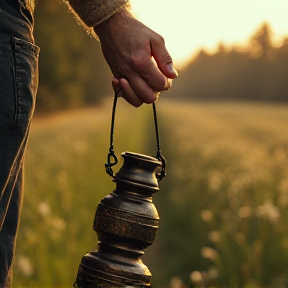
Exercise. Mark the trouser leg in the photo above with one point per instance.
(9, 231)
(18, 86)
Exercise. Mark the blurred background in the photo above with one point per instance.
(223, 130)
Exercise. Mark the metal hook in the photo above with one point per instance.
(111, 154)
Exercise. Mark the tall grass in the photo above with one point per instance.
(225, 200)
(223, 204)
(65, 180)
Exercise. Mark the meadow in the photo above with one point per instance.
(223, 204)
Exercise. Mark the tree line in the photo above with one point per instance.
(73, 71)
(257, 72)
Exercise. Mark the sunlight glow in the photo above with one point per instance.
(188, 25)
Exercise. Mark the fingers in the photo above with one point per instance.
(141, 87)
(116, 86)
(123, 89)
(137, 56)
(167, 85)
(157, 74)
(148, 71)
(162, 57)
(129, 94)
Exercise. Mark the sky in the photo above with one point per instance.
(189, 25)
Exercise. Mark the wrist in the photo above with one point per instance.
(115, 20)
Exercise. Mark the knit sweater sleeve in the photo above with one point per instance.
(94, 12)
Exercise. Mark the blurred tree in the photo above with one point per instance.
(261, 42)
(280, 71)
(258, 72)
(73, 72)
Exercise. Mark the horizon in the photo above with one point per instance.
(230, 26)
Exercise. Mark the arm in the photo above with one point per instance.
(129, 48)
(94, 12)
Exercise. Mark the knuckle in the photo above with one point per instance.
(160, 39)
(135, 59)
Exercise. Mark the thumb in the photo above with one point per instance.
(163, 59)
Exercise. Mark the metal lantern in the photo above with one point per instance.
(126, 222)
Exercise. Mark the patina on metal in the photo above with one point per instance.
(126, 222)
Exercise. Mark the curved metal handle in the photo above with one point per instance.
(111, 155)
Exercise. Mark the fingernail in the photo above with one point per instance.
(172, 69)
(156, 96)
(170, 81)
(167, 85)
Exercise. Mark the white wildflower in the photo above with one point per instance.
(196, 277)
(209, 253)
(58, 224)
(213, 273)
(214, 236)
(268, 211)
(24, 265)
(244, 211)
(215, 180)
(44, 209)
(206, 215)
(176, 282)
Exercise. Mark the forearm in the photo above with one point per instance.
(94, 12)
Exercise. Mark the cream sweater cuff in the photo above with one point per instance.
(94, 12)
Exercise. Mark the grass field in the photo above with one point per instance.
(223, 204)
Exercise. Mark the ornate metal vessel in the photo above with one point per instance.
(126, 222)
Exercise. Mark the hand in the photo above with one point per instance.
(129, 48)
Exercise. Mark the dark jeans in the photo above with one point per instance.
(18, 86)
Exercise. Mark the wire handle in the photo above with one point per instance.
(112, 158)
